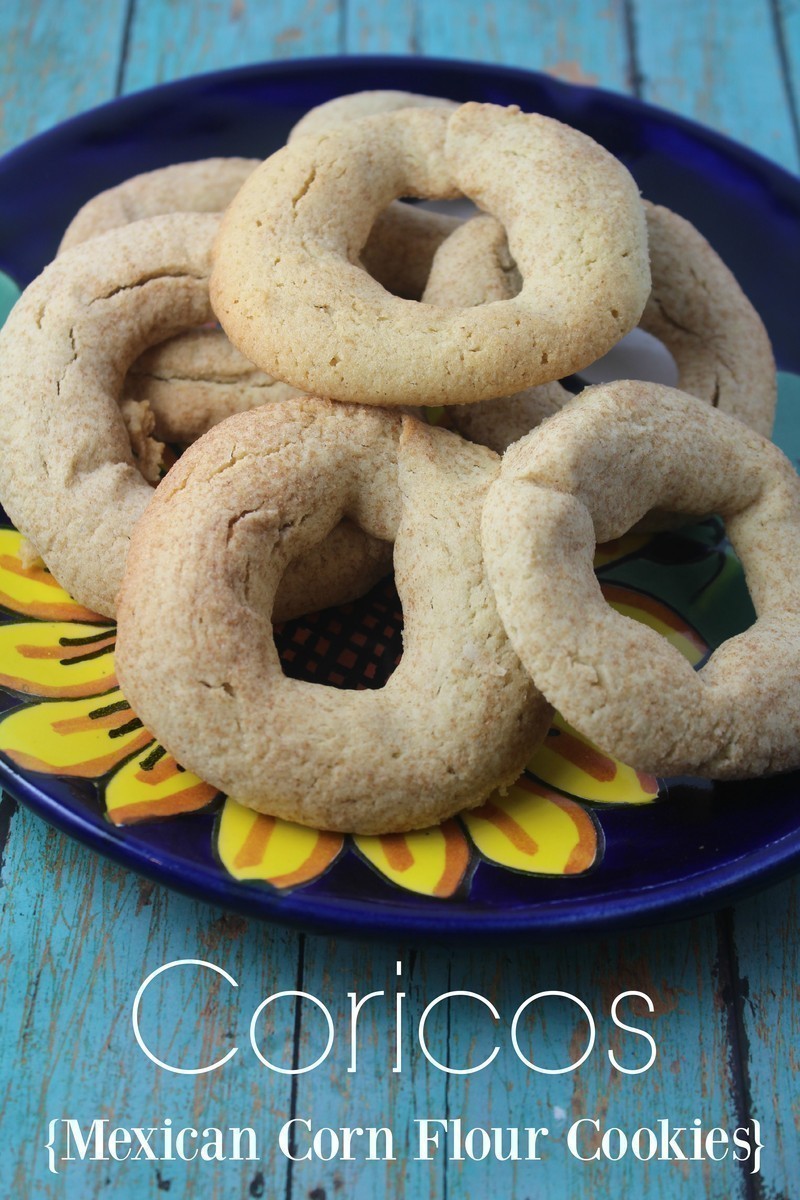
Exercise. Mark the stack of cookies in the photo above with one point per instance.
(217, 404)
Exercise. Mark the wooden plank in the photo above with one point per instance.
(582, 41)
(767, 965)
(373, 1094)
(79, 937)
(718, 63)
(761, 993)
(690, 1078)
(786, 24)
(768, 969)
(170, 41)
(52, 68)
(381, 27)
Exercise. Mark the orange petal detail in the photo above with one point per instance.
(33, 591)
(84, 738)
(658, 616)
(534, 830)
(153, 785)
(431, 861)
(57, 659)
(254, 846)
(570, 762)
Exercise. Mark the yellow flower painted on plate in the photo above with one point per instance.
(533, 829)
(658, 616)
(152, 785)
(253, 846)
(57, 658)
(88, 729)
(430, 861)
(570, 762)
(83, 738)
(32, 591)
(80, 725)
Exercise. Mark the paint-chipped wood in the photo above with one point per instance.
(719, 63)
(767, 996)
(55, 61)
(79, 937)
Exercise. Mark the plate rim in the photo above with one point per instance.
(424, 917)
(675, 900)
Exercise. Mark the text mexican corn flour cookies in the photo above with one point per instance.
(317, 278)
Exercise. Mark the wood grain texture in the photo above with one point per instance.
(691, 1076)
(381, 27)
(768, 960)
(373, 1094)
(43, 62)
(786, 24)
(171, 40)
(79, 937)
(583, 41)
(719, 63)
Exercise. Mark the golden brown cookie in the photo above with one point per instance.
(696, 308)
(404, 238)
(195, 380)
(289, 292)
(457, 718)
(336, 113)
(587, 475)
(68, 478)
(207, 185)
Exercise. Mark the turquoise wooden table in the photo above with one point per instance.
(79, 935)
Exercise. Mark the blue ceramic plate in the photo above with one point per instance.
(582, 843)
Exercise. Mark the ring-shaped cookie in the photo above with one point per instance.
(290, 294)
(197, 378)
(587, 475)
(67, 476)
(341, 110)
(457, 718)
(402, 242)
(696, 308)
(205, 186)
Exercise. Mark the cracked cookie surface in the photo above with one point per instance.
(68, 478)
(696, 308)
(289, 291)
(457, 718)
(563, 488)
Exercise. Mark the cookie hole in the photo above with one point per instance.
(398, 272)
(354, 647)
(638, 355)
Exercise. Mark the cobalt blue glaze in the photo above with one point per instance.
(708, 842)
